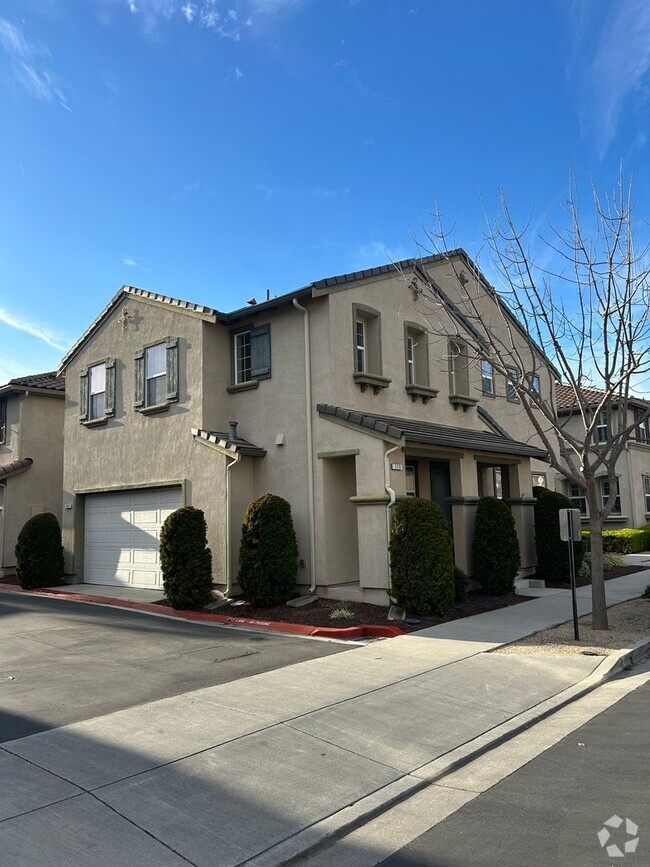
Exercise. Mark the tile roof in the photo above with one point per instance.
(236, 446)
(15, 467)
(49, 381)
(424, 432)
(565, 398)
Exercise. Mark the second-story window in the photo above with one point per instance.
(487, 377)
(578, 497)
(3, 419)
(410, 359)
(458, 368)
(251, 354)
(642, 426)
(155, 363)
(361, 347)
(533, 383)
(511, 384)
(97, 391)
(600, 431)
(156, 376)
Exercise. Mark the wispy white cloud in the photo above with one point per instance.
(227, 19)
(24, 56)
(610, 62)
(130, 261)
(270, 193)
(34, 328)
(374, 253)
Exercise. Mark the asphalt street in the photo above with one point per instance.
(549, 813)
(62, 662)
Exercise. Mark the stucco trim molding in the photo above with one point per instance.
(136, 486)
(370, 499)
(341, 453)
(463, 501)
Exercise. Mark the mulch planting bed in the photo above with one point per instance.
(319, 612)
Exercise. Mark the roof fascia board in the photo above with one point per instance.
(264, 306)
(18, 390)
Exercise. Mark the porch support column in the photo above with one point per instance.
(464, 499)
(521, 504)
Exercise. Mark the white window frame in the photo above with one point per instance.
(243, 356)
(459, 384)
(642, 427)
(148, 377)
(511, 379)
(487, 378)
(361, 346)
(601, 434)
(536, 477)
(411, 474)
(93, 391)
(410, 359)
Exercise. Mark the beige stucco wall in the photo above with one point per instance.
(133, 449)
(34, 430)
(631, 467)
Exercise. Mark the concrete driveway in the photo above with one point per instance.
(62, 662)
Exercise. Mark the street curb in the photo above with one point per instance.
(349, 818)
(350, 632)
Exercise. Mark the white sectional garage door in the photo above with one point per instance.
(122, 533)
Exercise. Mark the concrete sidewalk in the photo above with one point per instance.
(259, 770)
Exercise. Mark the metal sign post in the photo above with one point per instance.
(571, 531)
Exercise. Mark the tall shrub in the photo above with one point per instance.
(552, 552)
(185, 559)
(39, 552)
(268, 555)
(421, 558)
(496, 547)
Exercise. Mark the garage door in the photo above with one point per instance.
(122, 532)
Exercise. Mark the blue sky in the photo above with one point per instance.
(216, 150)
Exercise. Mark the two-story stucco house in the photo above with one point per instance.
(31, 455)
(632, 504)
(345, 398)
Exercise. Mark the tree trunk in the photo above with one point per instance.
(598, 600)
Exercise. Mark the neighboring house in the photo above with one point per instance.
(345, 399)
(31, 455)
(632, 505)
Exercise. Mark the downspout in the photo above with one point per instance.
(234, 461)
(390, 504)
(310, 446)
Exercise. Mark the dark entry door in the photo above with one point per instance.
(441, 487)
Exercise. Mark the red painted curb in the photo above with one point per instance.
(363, 631)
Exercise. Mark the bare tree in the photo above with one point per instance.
(586, 320)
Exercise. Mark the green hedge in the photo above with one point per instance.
(421, 558)
(552, 552)
(623, 541)
(496, 547)
(185, 559)
(39, 553)
(268, 555)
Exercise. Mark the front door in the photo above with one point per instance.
(441, 487)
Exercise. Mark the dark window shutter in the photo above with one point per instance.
(83, 394)
(261, 352)
(3, 419)
(109, 400)
(138, 393)
(172, 369)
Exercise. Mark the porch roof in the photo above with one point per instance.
(15, 467)
(427, 433)
(236, 446)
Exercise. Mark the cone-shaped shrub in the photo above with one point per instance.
(268, 555)
(39, 553)
(185, 559)
(421, 558)
(552, 552)
(496, 547)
